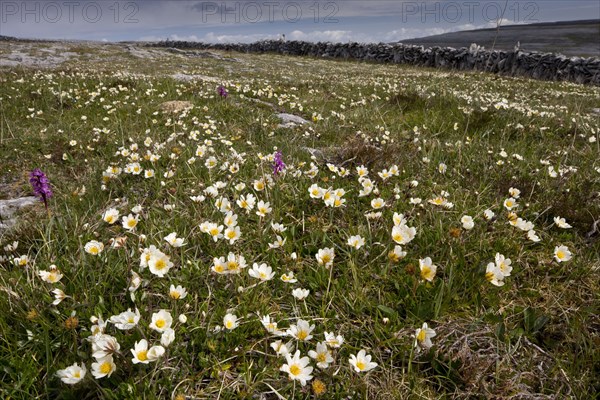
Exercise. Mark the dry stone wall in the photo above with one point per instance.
(544, 66)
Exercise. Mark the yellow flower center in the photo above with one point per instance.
(219, 268)
(560, 254)
(229, 324)
(105, 368)
(360, 365)
(160, 264)
(295, 370)
(262, 275)
(142, 355)
(94, 250)
(321, 357)
(110, 219)
(398, 237)
(131, 223)
(131, 320)
(160, 323)
(175, 294)
(426, 272)
(302, 334)
(231, 234)
(214, 231)
(77, 374)
(421, 335)
(326, 258)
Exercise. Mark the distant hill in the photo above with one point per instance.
(571, 38)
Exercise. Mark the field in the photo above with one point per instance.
(186, 217)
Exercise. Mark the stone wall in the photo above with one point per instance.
(545, 66)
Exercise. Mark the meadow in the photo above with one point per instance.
(425, 234)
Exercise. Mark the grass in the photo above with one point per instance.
(535, 337)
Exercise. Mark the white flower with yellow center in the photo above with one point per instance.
(104, 367)
(301, 331)
(325, 257)
(177, 293)
(110, 216)
(297, 368)
(126, 320)
(259, 185)
(494, 275)
(562, 253)
(362, 362)
(428, 269)
(403, 234)
(356, 241)
(503, 264)
(173, 240)
(262, 208)
(230, 322)
(321, 355)
(377, 203)
(510, 203)
(53, 275)
(161, 321)
(315, 191)
(94, 247)
(129, 222)
(332, 340)
(73, 374)
(219, 266)
(289, 277)
(561, 223)
(159, 264)
(262, 272)
(232, 234)
(397, 254)
(423, 336)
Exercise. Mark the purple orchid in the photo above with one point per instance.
(41, 185)
(278, 165)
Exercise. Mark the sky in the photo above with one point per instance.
(249, 21)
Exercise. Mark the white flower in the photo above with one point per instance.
(377, 203)
(531, 235)
(130, 222)
(428, 269)
(488, 214)
(301, 331)
(561, 223)
(494, 275)
(173, 240)
(94, 247)
(562, 253)
(262, 208)
(53, 275)
(362, 362)
(297, 368)
(230, 322)
(159, 264)
(73, 374)
(103, 367)
(289, 277)
(325, 257)
(126, 320)
(140, 352)
(282, 348)
(423, 336)
(467, 222)
(356, 241)
(271, 326)
(322, 355)
(300, 294)
(503, 264)
(332, 340)
(402, 234)
(262, 272)
(168, 336)
(177, 293)
(104, 345)
(161, 321)
(110, 216)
